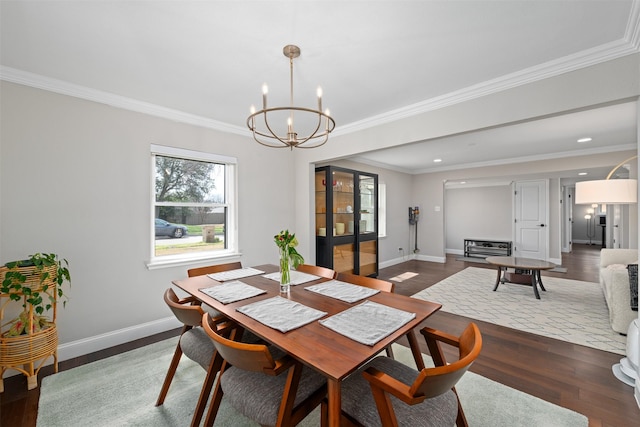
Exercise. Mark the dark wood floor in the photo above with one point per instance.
(576, 377)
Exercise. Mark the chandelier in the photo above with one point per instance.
(268, 124)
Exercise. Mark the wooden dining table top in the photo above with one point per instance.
(328, 352)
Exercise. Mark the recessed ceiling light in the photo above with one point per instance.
(584, 140)
(582, 173)
(463, 182)
(437, 160)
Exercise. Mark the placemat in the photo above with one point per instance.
(229, 292)
(347, 292)
(235, 274)
(297, 277)
(280, 313)
(369, 322)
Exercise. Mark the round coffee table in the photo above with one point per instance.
(528, 267)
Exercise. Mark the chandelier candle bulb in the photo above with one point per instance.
(265, 91)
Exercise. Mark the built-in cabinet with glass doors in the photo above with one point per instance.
(346, 206)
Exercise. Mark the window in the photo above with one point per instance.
(382, 210)
(193, 209)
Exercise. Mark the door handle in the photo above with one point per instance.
(541, 225)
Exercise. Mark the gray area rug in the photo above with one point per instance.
(569, 310)
(122, 390)
(558, 269)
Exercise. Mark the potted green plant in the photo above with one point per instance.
(38, 280)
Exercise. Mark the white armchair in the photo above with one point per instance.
(614, 279)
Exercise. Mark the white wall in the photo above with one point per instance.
(477, 213)
(75, 180)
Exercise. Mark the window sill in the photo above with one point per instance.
(168, 262)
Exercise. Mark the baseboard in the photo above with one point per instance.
(395, 261)
(84, 346)
(100, 342)
(429, 258)
(586, 242)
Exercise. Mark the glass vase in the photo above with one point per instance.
(285, 270)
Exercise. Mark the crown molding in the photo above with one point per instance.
(628, 45)
(65, 88)
(594, 56)
(500, 162)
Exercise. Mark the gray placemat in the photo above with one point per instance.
(280, 313)
(239, 273)
(346, 292)
(297, 277)
(229, 292)
(369, 322)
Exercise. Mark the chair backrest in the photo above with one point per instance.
(369, 282)
(250, 357)
(190, 315)
(433, 382)
(210, 269)
(317, 270)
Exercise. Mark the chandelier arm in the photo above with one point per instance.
(620, 165)
(313, 134)
(266, 123)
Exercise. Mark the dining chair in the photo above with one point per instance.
(263, 383)
(248, 336)
(385, 392)
(372, 283)
(195, 344)
(366, 281)
(210, 269)
(316, 270)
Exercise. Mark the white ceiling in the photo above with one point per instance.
(205, 62)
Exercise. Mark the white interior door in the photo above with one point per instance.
(567, 218)
(531, 226)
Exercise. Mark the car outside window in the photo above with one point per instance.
(193, 210)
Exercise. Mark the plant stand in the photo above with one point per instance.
(28, 353)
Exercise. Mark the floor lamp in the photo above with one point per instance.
(617, 191)
(591, 226)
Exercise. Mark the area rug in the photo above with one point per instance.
(558, 269)
(122, 390)
(569, 310)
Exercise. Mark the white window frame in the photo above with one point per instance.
(382, 210)
(231, 190)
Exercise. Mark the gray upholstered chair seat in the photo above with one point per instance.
(357, 399)
(197, 346)
(258, 396)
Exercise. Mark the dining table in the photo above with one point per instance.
(315, 344)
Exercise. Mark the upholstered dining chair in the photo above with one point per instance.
(372, 283)
(317, 270)
(217, 268)
(210, 269)
(263, 383)
(366, 281)
(196, 345)
(385, 392)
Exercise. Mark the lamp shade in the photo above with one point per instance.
(607, 191)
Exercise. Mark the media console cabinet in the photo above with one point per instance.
(481, 248)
